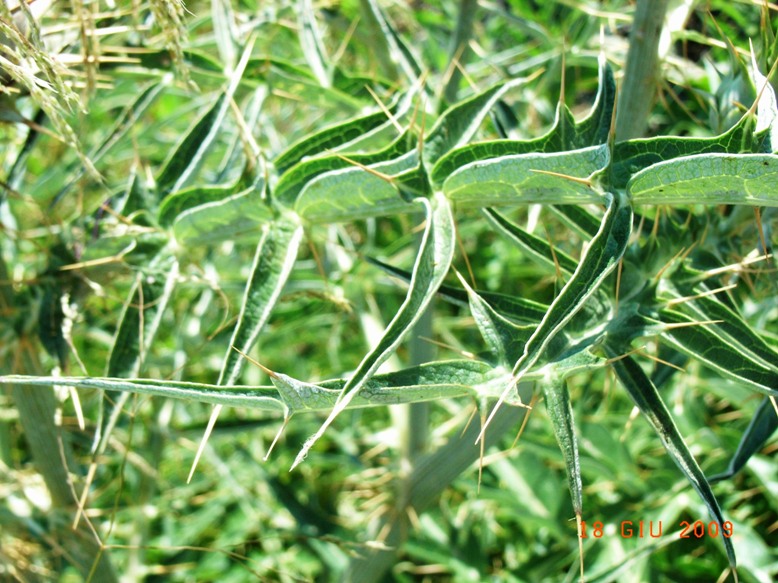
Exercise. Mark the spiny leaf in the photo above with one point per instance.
(294, 180)
(338, 135)
(432, 263)
(763, 424)
(353, 193)
(599, 260)
(565, 134)
(433, 381)
(709, 179)
(559, 178)
(648, 400)
(273, 262)
(459, 123)
(177, 202)
(239, 216)
(704, 342)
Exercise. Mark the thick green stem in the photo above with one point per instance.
(638, 89)
(37, 407)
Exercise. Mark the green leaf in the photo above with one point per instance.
(648, 400)
(557, 399)
(273, 262)
(459, 123)
(763, 424)
(504, 338)
(294, 180)
(432, 381)
(564, 135)
(187, 157)
(595, 128)
(632, 156)
(709, 179)
(523, 179)
(177, 202)
(537, 248)
(338, 135)
(236, 217)
(141, 317)
(432, 264)
(353, 193)
(598, 260)
(716, 350)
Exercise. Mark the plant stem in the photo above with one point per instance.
(638, 89)
(37, 409)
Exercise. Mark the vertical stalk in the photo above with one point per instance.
(37, 409)
(638, 89)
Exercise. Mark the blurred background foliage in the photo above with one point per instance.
(64, 198)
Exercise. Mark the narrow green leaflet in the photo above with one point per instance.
(237, 217)
(537, 248)
(709, 179)
(599, 260)
(523, 179)
(763, 424)
(504, 338)
(560, 411)
(732, 329)
(432, 264)
(595, 127)
(338, 135)
(177, 202)
(632, 156)
(458, 124)
(273, 262)
(187, 157)
(706, 343)
(294, 180)
(648, 400)
(141, 317)
(565, 134)
(354, 192)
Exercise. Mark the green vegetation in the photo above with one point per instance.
(382, 292)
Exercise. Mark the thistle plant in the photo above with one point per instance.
(651, 287)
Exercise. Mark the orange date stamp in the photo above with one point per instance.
(656, 529)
